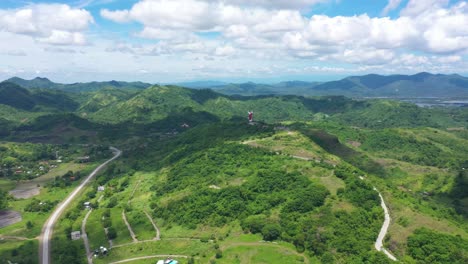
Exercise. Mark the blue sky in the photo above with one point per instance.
(238, 40)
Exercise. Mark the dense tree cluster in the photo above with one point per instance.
(426, 246)
(39, 206)
(3, 199)
(409, 148)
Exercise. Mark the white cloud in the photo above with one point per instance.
(225, 51)
(417, 7)
(364, 56)
(428, 35)
(119, 16)
(51, 23)
(273, 4)
(158, 33)
(60, 37)
(424, 26)
(411, 60)
(392, 5)
(167, 14)
(449, 59)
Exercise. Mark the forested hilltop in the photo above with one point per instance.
(197, 181)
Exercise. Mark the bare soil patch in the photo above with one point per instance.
(355, 144)
(455, 129)
(25, 190)
(9, 217)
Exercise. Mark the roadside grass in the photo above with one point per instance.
(141, 225)
(96, 235)
(174, 247)
(123, 235)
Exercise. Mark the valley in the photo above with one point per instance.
(190, 178)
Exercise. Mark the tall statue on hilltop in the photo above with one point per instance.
(250, 116)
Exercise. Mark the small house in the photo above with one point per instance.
(75, 235)
(87, 205)
(83, 159)
(100, 188)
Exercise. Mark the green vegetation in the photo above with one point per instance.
(295, 186)
(426, 246)
(3, 199)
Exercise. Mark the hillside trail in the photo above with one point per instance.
(132, 234)
(84, 235)
(158, 233)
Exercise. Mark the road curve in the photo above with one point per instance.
(383, 230)
(47, 229)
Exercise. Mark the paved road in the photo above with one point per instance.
(47, 229)
(383, 230)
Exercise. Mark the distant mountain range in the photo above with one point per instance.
(44, 83)
(372, 85)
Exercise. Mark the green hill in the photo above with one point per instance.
(16, 96)
(35, 100)
(295, 186)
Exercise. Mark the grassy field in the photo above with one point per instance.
(123, 235)
(95, 230)
(294, 144)
(141, 225)
(261, 254)
(7, 185)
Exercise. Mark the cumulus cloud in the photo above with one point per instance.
(50, 23)
(119, 16)
(424, 26)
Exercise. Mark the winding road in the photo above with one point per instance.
(383, 230)
(47, 229)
